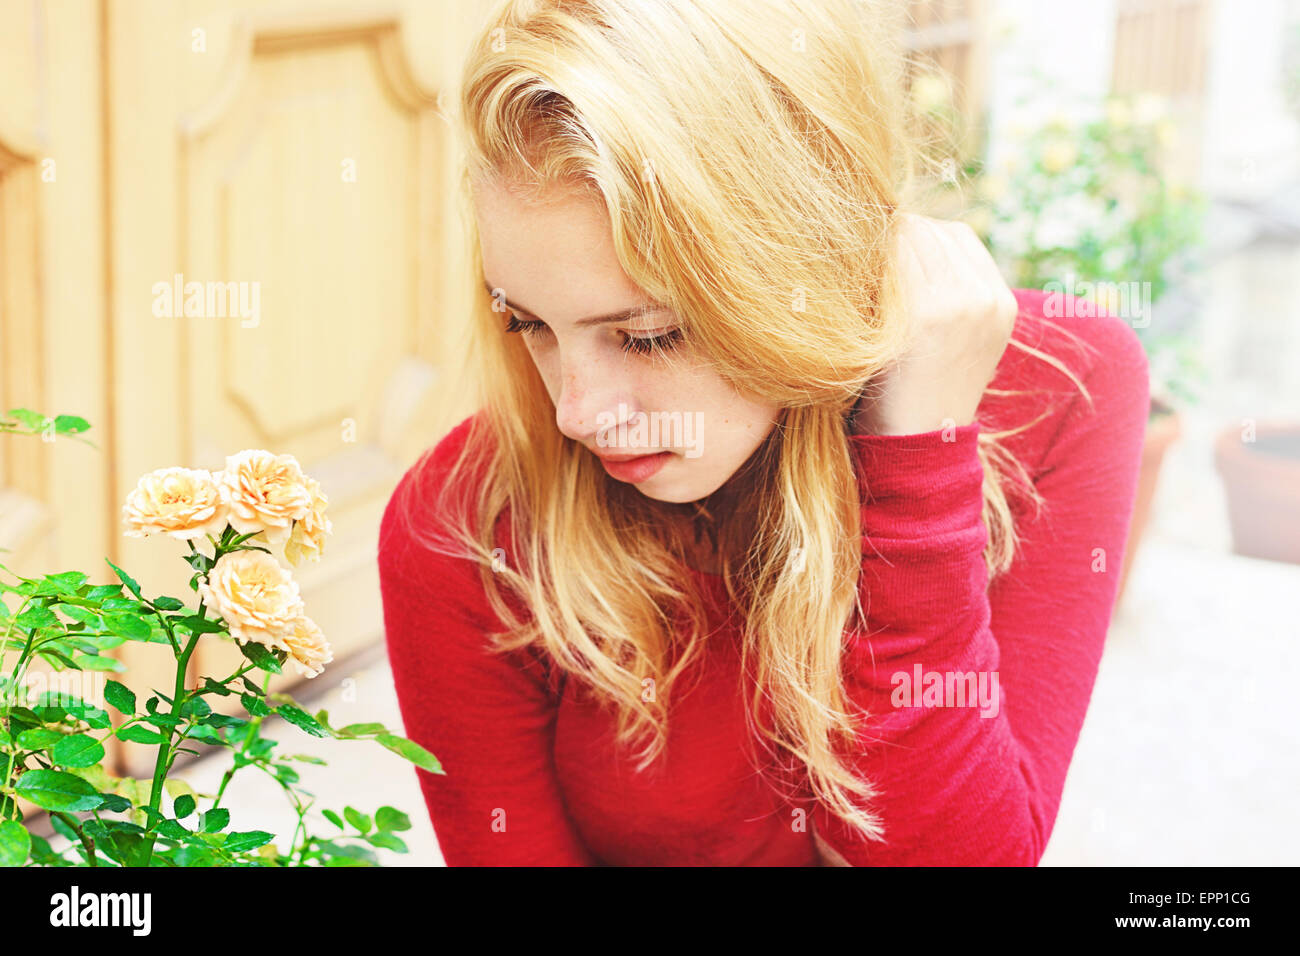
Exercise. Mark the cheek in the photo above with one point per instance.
(548, 368)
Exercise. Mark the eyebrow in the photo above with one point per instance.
(635, 312)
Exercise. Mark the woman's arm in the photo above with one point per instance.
(966, 785)
(489, 719)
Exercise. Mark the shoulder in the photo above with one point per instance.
(1059, 333)
(435, 601)
(1068, 326)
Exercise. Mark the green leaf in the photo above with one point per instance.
(94, 662)
(200, 625)
(120, 603)
(129, 849)
(129, 626)
(200, 562)
(68, 582)
(300, 718)
(254, 705)
(165, 603)
(390, 818)
(63, 829)
(213, 687)
(216, 820)
(55, 790)
(357, 819)
(176, 786)
(78, 613)
(100, 642)
(183, 806)
(248, 840)
(15, 843)
(121, 697)
(39, 738)
(139, 734)
(222, 720)
(410, 750)
(362, 730)
(57, 657)
(28, 418)
(125, 578)
(173, 830)
(36, 616)
(333, 818)
(389, 841)
(101, 591)
(162, 721)
(331, 849)
(54, 701)
(305, 758)
(115, 803)
(195, 707)
(207, 735)
(95, 775)
(79, 750)
(261, 656)
(70, 424)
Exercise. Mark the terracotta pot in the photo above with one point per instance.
(1262, 479)
(1163, 427)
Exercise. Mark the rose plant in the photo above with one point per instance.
(52, 747)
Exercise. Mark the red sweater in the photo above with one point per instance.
(957, 785)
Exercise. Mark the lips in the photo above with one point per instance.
(634, 469)
(617, 458)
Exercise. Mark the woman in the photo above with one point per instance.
(847, 603)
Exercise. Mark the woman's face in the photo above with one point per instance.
(551, 269)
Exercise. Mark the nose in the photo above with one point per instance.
(589, 402)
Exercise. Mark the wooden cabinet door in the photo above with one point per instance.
(291, 163)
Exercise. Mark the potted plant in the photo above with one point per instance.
(1260, 465)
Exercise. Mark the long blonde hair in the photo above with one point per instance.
(752, 156)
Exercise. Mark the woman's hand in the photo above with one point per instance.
(962, 314)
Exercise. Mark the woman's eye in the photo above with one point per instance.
(658, 343)
(642, 346)
(516, 324)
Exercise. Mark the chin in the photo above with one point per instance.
(678, 491)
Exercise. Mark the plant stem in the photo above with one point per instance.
(11, 754)
(249, 735)
(164, 749)
(86, 841)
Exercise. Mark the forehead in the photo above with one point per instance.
(554, 256)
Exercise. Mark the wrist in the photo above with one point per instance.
(877, 421)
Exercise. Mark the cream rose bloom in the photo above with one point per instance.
(257, 598)
(308, 537)
(308, 650)
(183, 503)
(267, 493)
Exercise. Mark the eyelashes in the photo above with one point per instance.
(641, 346)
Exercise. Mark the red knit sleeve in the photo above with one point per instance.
(980, 785)
(489, 719)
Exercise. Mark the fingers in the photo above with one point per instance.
(976, 253)
(942, 260)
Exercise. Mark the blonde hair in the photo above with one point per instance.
(753, 187)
